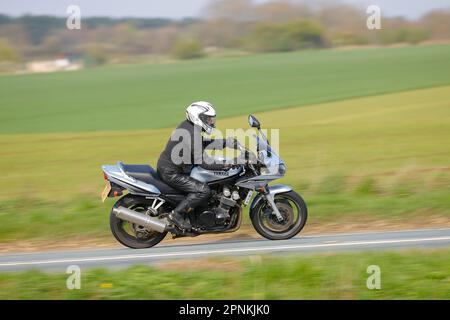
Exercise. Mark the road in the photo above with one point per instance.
(122, 257)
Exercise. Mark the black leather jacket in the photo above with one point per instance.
(185, 149)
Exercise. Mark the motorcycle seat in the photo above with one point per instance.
(147, 174)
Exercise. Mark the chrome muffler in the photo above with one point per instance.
(141, 219)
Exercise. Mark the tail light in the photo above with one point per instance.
(105, 176)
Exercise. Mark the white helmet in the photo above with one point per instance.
(202, 114)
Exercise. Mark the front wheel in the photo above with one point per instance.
(293, 209)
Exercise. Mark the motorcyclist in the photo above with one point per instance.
(186, 148)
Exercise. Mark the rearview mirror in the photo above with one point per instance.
(253, 122)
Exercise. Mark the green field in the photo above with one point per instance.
(380, 157)
(383, 155)
(153, 96)
(405, 275)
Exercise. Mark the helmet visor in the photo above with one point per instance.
(208, 120)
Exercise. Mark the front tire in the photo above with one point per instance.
(293, 209)
(131, 235)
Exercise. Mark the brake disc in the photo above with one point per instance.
(286, 212)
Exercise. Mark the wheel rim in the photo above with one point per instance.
(289, 210)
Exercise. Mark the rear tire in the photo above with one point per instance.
(265, 222)
(123, 230)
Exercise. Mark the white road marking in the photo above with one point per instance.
(373, 232)
(219, 251)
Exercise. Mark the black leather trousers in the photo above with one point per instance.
(198, 192)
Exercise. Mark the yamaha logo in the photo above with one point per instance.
(221, 173)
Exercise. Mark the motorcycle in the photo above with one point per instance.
(139, 218)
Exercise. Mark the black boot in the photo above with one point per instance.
(180, 221)
(177, 215)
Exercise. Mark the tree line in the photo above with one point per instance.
(224, 25)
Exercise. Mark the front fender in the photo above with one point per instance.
(273, 190)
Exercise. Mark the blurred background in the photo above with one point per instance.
(364, 119)
(149, 30)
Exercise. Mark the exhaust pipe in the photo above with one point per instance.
(140, 219)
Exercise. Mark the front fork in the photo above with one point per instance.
(271, 200)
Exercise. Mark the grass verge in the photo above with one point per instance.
(404, 275)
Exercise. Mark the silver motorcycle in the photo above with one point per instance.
(138, 218)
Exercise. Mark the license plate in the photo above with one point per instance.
(248, 197)
(106, 191)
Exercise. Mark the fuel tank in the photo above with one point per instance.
(204, 175)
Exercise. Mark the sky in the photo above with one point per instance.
(176, 9)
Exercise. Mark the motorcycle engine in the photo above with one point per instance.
(220, 214)
(227, 201)
(207, 218)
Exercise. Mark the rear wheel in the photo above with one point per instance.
(293, 210)
(130, 234)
